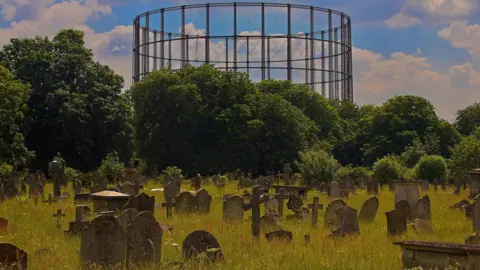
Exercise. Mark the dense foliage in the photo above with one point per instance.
(431, 168)
(55, 98)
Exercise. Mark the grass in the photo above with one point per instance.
(32, 227)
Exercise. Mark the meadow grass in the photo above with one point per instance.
(32, 227)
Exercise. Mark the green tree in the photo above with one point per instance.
(413, 153)
(75, 106)
(468, 119)
(316, 164)
(431, 167)
(387, 169)
(465, 155)
(13, 98)
(112, 168)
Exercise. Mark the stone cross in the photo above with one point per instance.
(280, 197)
(59, 216)
(315, 206)
(254, 205)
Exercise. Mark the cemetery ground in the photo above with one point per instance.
(32, 227)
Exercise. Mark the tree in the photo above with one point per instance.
(316, 164)
(75, 106)
(465, 155)
(430, 168)
(467, 119)
(13, 98)
(387, 169)
(413, 153)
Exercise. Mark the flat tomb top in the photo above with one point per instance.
(107, 194)
(291, 187)
(440, 247)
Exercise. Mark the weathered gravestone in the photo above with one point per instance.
(324, 187)
(11, 257)
(126, 217)
(127, 188)
(420, 225)
(77, 187)
(170, 192)
(79, 224)
(407, 191)
(197, 182)
(315, 185)
(233, 208)
(279, 236)
(202, 201)
(334, 191)
(315, 206)
(201, 242)
(254, 205)
(372, 187)
(141, 202)
(330, 212)
(271, 204)
(369, 209)
(425, 186)
(104, 243)
(404, 207)
(422, 210)
(396, 222)
(476, 216)
(59, 216)
(184, 202)
(280, 197)
(347, 222)
(144, 239)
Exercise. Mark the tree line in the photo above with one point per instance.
(54, 98)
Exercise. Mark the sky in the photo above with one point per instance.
(429, 48)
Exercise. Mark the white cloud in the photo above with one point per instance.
(401, 20)
(463, 36)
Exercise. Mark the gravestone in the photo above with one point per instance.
(315, 206)
(104, 243)
(3, 224)
(184, 202)
(407, 191)
(422, 210)
(474, 189)
(347, 222)
(126, 217)
(372, 187)
(98, 187)
(271, 204)
(342, 185)
(396, 222)
(172, 188)
(144, 239)
(201, 242)
(287, 171)
(202, 201)
(280, 197)
(141, 202)
(233, 208)
(369, 209)
(476, 216)
(324, 187)
(425, 186)
(77, 187)
(404, 207)
(127, 188)
(330, 212)
(315, 185)
(279, 236)
(254, 205)
(35, 185)
(334, 191)
(79, 224)
(462, 204)
(421, 225)
(197, 182)
(170, 192)
(59, 216)
(11, 257)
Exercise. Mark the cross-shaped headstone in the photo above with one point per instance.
(170, 194)
(280, 197)
(59, 216)
(254, 205)
(315, 206)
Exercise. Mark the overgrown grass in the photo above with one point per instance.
(33, 227)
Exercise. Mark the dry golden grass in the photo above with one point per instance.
(33, 227)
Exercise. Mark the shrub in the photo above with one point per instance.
(353, 172)
(5, 170)
(387, 169)
(413, 153)
(111, 167)
(172, 171)
(431, 167)
(71, 174)
(316, 164)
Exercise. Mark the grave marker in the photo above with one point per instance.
(141, 202)
(315, 206)
(202, 201)
(407, 191)
(11, 257)
(197, 182)
(201, 242)
(347, 222)
(422, 210)
(334, 191)
(233, 208)
(280, 236)
(126, 217)
(144, 239)
(369, 209)
(330, 212)
(59, 216)
(396, 222)
(281, 196)
(254, 205)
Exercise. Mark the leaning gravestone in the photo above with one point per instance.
(369, 209)
(334, 191)
(201, 242)
(347, 222)
(202, 201)
(184, 202)
(407, 191)
(233, 208)
(279, 236)
(425, 186)
(141, 202)
(104, 243)
(11, 257)
(127, 188)
(422, 210)
(126, 217)
(396, 222)
(404, 207)
(272, 204)
(330, 214)
(144, 238)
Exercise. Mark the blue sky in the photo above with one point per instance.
(429, 48)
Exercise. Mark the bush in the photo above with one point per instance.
(387, 169)
(353, 172)
(5, 170)
(466, 154)
(316, 164)
(430, 168)
(413, 153)
(71, 174)
(172, 171)
(111, 167)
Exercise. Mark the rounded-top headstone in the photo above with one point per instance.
(199, 242)
(126, 217)
(369, 209)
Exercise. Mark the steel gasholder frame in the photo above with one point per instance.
(313, 38)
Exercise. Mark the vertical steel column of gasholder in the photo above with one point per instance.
(324, 93)
(268, 58)
(226, 53)
(182, 39)
(350, 67)
(187, 51)
(235, 36)
(169, 50)
(342, 56)
(263, 42)
(207, 32)
(330, 60)
(146, 55)
(306, 58)
(336, 61)
(248, 55)
(162, 38)
(312, 48)
(136, 50)
(289, 42)
(155, 50)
